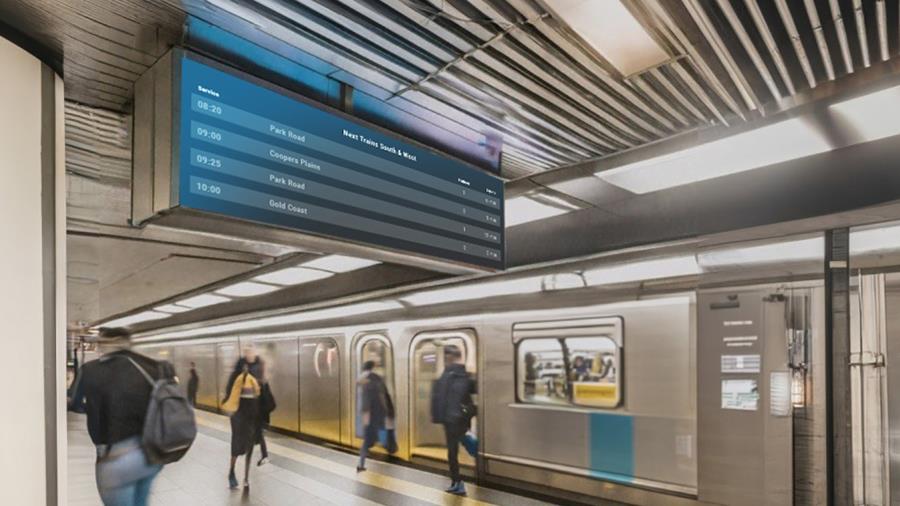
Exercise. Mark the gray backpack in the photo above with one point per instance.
(170, 426)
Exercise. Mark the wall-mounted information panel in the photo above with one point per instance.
(246, 149)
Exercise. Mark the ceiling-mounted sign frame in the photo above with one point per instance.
(212, 143)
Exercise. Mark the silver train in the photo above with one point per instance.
(700, 387)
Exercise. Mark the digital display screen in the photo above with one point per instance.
(251, 151)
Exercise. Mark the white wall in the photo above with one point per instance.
(22, 416)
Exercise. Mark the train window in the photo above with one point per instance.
(377, 349)
(593, 371)
(542, 377)
(582, 371)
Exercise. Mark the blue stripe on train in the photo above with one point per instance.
(612, 447)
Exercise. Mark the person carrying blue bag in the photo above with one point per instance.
(376, 413)
(452, 406)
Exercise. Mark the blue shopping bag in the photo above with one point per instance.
(388, 440)
(470, 443)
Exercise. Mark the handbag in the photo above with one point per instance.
(470, 443)
(387, 438)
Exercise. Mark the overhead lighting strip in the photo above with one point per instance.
(786, 140)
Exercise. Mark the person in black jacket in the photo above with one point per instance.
(375, 409)
(115, 396)
(193, 385)
(452, 406)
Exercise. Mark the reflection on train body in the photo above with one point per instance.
(320, 388)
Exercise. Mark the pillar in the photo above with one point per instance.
(32, 270)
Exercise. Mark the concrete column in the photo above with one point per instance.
(32, 270)
(837, 367)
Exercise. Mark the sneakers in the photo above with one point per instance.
(232, 481)
(263, 461)
(360, 469)
(457, 488)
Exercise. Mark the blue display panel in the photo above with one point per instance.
(250, 151)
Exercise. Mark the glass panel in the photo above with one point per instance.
(542, 372)
(594, 371)
(378, 351)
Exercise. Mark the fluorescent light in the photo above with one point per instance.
(203, 300)
(771, 144)
(521, 210)
(339, 263)
(135, 318)
(782, 252)
(644, 270)
(870, 117)
(881, 239)
(246, 289)
(476, 291)
(172, 308)
(613, 31)
(293, 276)
(289, 319)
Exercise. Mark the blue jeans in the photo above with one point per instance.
(124, 475)
(370, 437)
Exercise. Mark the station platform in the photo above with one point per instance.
(298, 473)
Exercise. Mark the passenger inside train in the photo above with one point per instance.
(456, 252)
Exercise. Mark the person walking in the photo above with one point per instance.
(376, 409)
(193, 385)
(452, 407)
(115, 395)
(242, 401)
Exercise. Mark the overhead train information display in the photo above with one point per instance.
(248, 151)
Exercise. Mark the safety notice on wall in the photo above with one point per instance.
(742, 395)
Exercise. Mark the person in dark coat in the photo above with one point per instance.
(246, 429)
(115, 396)
(375, 408)
(452, 407)
(193, 385)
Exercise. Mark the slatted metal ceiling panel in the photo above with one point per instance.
(98, 144)
(508, 67)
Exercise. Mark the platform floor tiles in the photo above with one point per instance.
(299, 473)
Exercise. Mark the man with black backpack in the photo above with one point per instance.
(452, 406)
(136, 417)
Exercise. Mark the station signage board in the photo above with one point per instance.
(247, 149)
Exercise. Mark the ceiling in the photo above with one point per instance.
(497, 69)
(507, 69)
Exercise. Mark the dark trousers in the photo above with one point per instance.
(454, 434)
(370, 437)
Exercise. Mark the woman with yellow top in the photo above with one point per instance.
(242, 402)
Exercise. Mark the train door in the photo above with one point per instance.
(427, 352)
(377, 348)
(320, 388)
